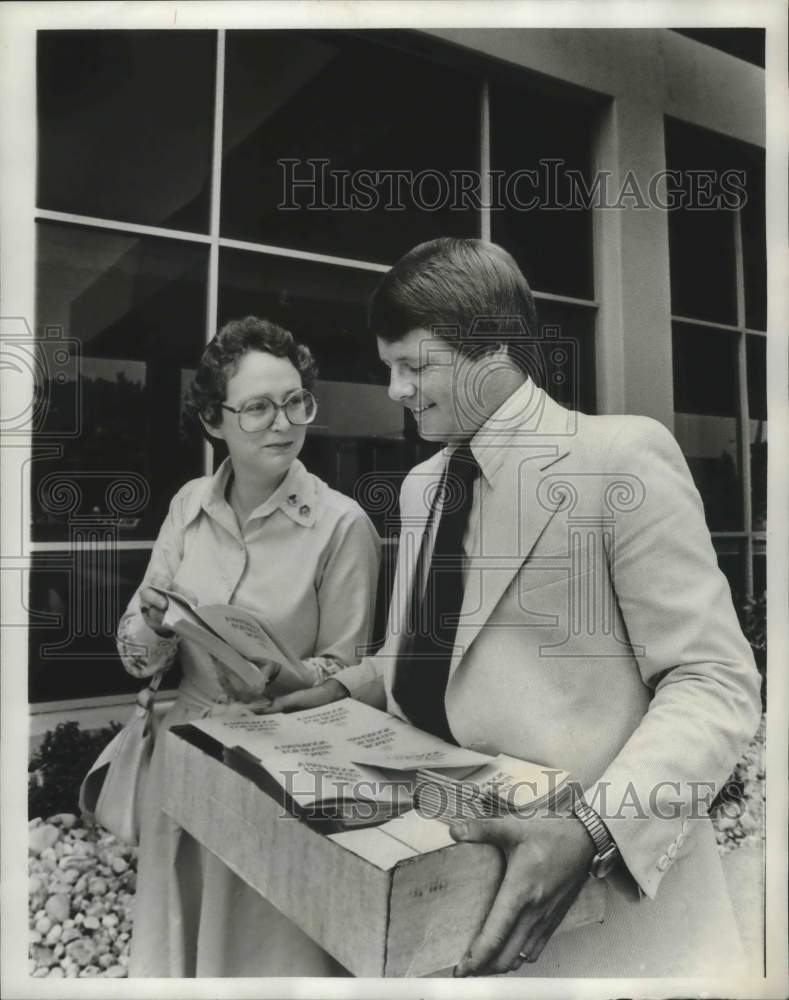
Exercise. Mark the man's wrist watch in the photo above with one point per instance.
(607, 853)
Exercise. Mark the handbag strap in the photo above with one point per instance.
(147, 696)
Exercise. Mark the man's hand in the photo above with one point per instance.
(330, 690)
(547, 863)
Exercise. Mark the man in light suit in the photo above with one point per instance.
(594, 633)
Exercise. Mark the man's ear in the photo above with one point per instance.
(214, 432)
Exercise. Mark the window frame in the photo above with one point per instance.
(746, 534)
(216, 242)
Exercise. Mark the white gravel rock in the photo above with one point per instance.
(42, 838)
(65, 820)
(58, 907)
(54, 934)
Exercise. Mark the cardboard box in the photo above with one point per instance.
(406, 916)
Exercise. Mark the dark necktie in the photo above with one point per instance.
(420, 679)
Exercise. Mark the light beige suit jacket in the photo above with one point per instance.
(597, 634)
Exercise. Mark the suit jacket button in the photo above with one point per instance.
(663, 863)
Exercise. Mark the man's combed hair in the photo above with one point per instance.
(469, 292)
(223, 354)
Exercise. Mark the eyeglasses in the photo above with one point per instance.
(259, 414)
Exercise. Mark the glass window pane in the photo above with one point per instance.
(358, 430)
(705, 423)
(76, 599)
(754, 242)
(131, 311)
(323, 306)
(565, 366)
(731, 559)
(759, 474)
(362, 108)
(705, 370)
(701, 238)
(756, 348)
(126, 124)
(528, 130)
(756, 351)
(759, 567)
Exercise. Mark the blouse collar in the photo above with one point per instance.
(296, 496)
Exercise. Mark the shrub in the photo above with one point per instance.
(57, 768)
(752, 613)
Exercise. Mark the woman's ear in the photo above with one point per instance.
(214, 432)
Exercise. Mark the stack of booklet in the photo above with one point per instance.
(347, 765)
(503, 787)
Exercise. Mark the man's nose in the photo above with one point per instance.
(400, 388)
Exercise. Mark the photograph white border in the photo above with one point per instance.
(18, 24)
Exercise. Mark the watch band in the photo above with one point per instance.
(606, 851)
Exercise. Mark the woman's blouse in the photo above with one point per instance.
(306, 560)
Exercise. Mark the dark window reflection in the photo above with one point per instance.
(359, 431)
(701, 238)
(705, 370)
(705, 423)
(756, 348)
(76, 599)
(322, 305)
(527, 130)
(714, 176)
(126, 124)
(133, 311)
(565, 365)
(754, 242)
(731, 559)
(759, 572)
(360, 106)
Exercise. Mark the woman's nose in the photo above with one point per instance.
(280, 421)
(400, 388)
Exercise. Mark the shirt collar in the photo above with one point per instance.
(519, 411)
(295, 496)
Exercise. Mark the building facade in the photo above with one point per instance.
(187, 177)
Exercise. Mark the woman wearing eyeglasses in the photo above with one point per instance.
(265, 534)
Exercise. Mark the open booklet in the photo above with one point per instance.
(235, 636)
(353, 765)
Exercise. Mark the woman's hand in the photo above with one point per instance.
(153, 606)
(322, 694)
(252, 696)
(548, 859)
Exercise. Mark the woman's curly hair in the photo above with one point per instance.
(221, 358)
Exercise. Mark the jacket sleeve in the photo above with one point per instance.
(143, 653)
(691, 653)
(366, 680)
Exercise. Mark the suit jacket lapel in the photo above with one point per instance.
(512, 519)
(415, 519)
